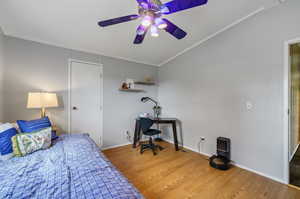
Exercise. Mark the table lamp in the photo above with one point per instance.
(42, 101)
(156, 108)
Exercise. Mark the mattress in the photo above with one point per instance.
(73, 167)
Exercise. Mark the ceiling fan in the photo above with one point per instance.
(151, 12)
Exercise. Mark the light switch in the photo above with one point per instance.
(249, 105)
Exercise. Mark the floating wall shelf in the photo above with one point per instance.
(145, 83)
(131, 90)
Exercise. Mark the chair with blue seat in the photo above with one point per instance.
(146, 124)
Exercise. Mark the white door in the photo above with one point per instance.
(86, 99)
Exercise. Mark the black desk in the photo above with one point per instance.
(137, 131)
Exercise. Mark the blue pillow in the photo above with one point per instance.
(33, 125)
(7, 131)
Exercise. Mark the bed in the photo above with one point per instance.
(73, 167)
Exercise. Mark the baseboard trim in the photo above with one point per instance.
(235, 164)
(115, 146)
(259, 173)
(293, 186)
(295, 150)
(189, 148)
(209, 155)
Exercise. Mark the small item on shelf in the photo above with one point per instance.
(148, 79)
(124, 85)
(130, 83)
(128, 86)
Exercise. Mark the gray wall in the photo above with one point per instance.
(208, 87)
(31, 66)
(121, 109)
(1, 72)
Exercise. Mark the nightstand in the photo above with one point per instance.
(56, 131)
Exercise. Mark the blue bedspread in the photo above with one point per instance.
(73, 167)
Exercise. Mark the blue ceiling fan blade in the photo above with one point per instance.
(140, 37)
(179, 5)
(143, 3)
(174, 30)
(150, 4)
(118, 20)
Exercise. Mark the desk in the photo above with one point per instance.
(172, 121)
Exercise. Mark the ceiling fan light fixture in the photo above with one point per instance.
(147, 21)
(154, 31)
(151, 13)
(160, 23)
(164, 9)
(162, 26)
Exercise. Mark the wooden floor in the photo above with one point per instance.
(186, 175)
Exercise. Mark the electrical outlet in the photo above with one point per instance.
(202, 139)
(128, 136)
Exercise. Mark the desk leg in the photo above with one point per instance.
(137, 131)
(175, 136)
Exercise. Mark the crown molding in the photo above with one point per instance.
(82, 50)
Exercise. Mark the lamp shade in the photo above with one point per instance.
(42, 100)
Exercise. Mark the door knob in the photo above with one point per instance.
(75, 108)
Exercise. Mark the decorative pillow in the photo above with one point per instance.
(33, 125)
(7, 131)
(26, 143)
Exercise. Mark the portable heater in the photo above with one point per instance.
(222, 159)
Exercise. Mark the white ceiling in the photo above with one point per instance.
(73, 24)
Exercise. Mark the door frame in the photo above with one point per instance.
(70, 61)
(286, 109)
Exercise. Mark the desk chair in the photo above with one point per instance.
(146, 124)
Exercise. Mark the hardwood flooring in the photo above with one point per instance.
(187, 175)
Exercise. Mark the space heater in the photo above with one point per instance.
(222, 159)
